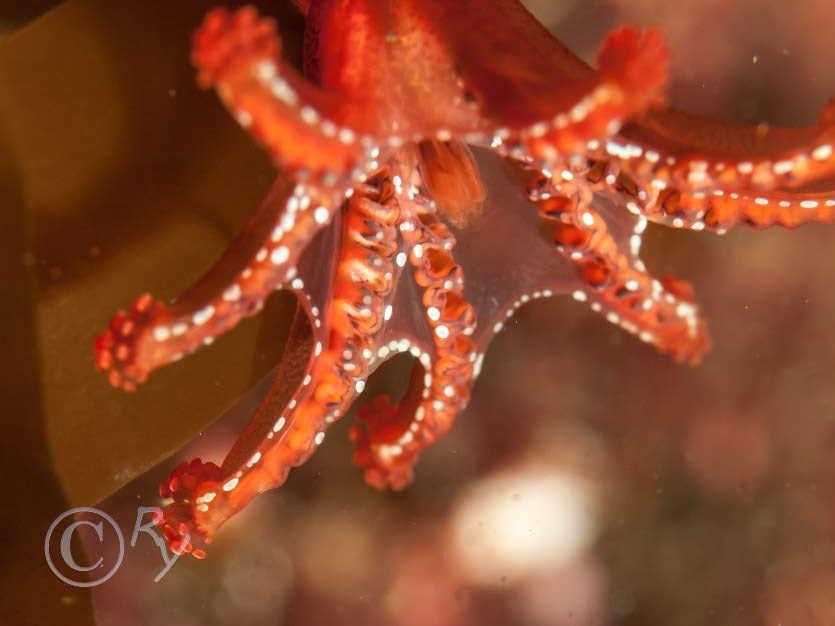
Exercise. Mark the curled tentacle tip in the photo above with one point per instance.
(226, 37)
(394, 478)
(180, 528)
(640, 60)
(116, 348)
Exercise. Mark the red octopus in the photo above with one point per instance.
(441, 164)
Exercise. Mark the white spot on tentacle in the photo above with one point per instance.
(279, 255)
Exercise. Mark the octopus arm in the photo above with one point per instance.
(238, 54)
(329, 355)
(565, 109)
(389, 437)
(262, 258)
(692, 172)
(529, 76)
(605, 250)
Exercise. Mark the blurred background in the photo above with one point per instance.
(590, 481)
